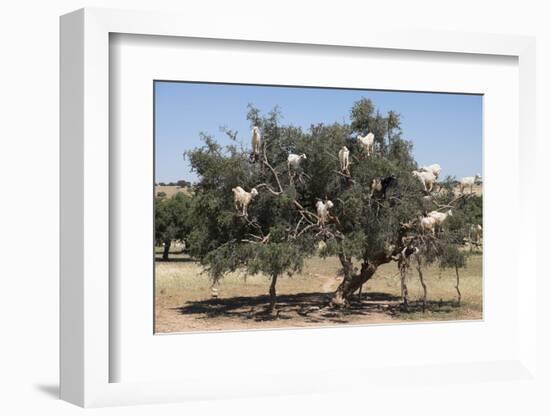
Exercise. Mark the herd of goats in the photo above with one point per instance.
(427, 175)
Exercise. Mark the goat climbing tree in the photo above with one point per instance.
(282, 228)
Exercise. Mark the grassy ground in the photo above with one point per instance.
(170, 191)
(183, 300)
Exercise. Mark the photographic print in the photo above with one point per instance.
(293, 207)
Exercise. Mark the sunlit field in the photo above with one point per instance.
(184, 300)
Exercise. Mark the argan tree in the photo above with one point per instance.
(365, 229)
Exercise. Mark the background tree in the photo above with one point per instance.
(394, 126)
(173, 220)
(183, 183)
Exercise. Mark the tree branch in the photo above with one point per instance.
(266, 163)
(348, 177)
(269, 188)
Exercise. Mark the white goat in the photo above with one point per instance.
(322, 211)
(428, 224)
(435, 169)
(343, 157)
(476, 233)
(243, 199)
(426, 178)
(256, 140)
(440, 217)
(366, 143)
(469, 181)
(294, 161)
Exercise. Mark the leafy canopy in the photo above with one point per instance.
(281, 229)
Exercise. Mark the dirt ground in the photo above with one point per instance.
(183, 300)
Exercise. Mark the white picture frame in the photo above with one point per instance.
(86, 356)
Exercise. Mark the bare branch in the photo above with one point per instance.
(275, 175)
(348, 177)
(307, 227)
(451, 204)
(304, 211)
(264, 240)
(269, 188)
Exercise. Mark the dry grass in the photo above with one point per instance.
(170, 191)
(183, 298)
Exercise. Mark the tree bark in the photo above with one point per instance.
(272, 293)
(352, 282)
(421, 276)
(166, 250)
(457, 284)
(404, 290)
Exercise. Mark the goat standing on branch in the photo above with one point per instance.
(243, 199)
(256, 143)
(343, 157)
(366, 143)
(323, 211)
(426, 178)
(428, 224)
(440, 217)
(293, 163)
(434, 169)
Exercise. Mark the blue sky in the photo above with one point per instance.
(444, 128)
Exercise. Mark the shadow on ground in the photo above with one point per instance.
(159, 259)
(312, 307)
(51, 390)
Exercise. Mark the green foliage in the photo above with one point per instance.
(172, 218)
(362, 115)
(278, 234)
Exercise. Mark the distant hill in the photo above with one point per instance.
(477, 189)
(170, 190)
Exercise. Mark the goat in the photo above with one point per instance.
(294, 161)
(256, 141)
(428, 224)
(469, 181)
(435, 169)
(343, 157)
(322, 211)
(243, 199)
(426, 178)
(476, 234)
(366, 143)
(440, 217)
(379, 186)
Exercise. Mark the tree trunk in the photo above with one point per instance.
(457, 284)
(421, 276)
(166, 249)
(352, 282)
(272, 294)
(404, 290)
